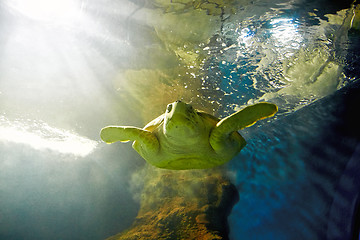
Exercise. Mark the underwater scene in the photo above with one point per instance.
(69, 69)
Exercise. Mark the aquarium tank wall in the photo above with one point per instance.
(68, 68)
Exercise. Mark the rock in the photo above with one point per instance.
(183, 205)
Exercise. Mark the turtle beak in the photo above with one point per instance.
(178, 108)
(175, 110)
(180, 120)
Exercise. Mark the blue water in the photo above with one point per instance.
(64, 76)
(290, 174)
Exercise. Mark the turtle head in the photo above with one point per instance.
(181, 121)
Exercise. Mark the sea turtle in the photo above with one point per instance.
(184, 138)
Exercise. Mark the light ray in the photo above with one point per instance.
(41, 136)
(47, 10)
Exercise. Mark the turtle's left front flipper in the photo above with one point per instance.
(239, 120)
(124, 134)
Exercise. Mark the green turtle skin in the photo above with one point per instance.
(184, 138)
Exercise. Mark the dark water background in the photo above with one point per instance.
(308, 185)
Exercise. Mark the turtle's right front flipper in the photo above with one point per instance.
(124, 134)
(246, 117)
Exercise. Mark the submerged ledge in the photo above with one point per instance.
(184, 205)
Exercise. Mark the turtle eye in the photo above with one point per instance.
(169, 107)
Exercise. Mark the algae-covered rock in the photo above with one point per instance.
(212, 7)
(148, 91)
(183, 205)
(185, 34)
(185, 26)
(355, 23)
(316, 71)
